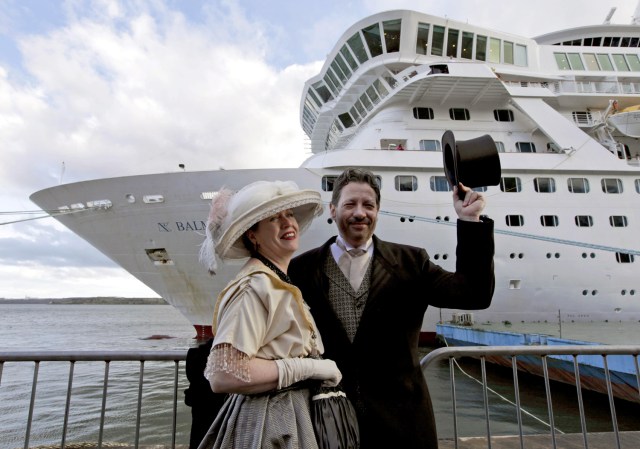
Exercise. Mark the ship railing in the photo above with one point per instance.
(581, 87)
(167, 380)
(111, 375)
(526, 356)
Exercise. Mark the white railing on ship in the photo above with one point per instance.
(513, 352)
(106, 357)
(450, 353)
(581, 87)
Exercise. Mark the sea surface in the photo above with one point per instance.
(82, 327)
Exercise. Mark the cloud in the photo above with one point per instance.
(140, 94)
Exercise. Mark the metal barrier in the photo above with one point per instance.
(483, 353)
(543, 352)
(96, 356)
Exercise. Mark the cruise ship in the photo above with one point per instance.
(563, 110)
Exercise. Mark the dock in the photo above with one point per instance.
(600, 440)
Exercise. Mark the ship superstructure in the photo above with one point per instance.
(567, 210)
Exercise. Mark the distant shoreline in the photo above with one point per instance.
(90, 300)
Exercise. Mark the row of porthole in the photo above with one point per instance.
(595, 292)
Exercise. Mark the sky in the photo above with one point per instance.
(94, 89)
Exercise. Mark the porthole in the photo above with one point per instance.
(401, 219)
(512, 256)
(594, 292)
(445, 257)
(623, 292)
(584, 255)
(548, 255)
(436, 257)
(632, 292)
(329, 220)
(585, 292)
(520, 256)
(557, 255)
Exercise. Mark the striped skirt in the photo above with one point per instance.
(273, 420)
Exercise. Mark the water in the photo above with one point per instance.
(45, 327)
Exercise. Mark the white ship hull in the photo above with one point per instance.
(546, 265)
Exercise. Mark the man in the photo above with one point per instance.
(371, 328)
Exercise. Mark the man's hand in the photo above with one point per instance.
(471, 206)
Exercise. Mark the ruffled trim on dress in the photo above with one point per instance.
(227, 359)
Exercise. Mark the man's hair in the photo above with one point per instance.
(354, 175)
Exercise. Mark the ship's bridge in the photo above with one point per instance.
(408, 54)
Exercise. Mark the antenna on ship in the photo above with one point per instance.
(607, 20)
(61, 172)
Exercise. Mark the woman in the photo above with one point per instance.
(265, 338)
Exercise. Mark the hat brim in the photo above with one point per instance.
(306, 205)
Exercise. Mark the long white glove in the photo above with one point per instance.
(294, 370)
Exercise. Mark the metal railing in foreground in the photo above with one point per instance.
(107, 358)
(484, 353)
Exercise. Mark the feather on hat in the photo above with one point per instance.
(233, 214)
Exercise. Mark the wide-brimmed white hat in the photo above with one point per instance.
(233, 214)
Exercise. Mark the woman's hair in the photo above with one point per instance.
(354, 175)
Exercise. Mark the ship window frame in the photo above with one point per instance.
(379, 86)
(439, 183)
(466, 46)
(459, 114)
(521, 58)
(526, 147)
(349, 57)
(433, 145)
(624, 257)
(591, 62)
(510, 184)
(572, 185)
(406, 183)
(453, 35)
(494, 46)
(620, 62)
(562, 61)
(323, 91)
(503, 115)
(583, 221)
(364, 99)
(392, 31)
(611, 186)
(634, 62)
(373, 40)
(437, 40)
(422, 38)
(514, 220)
(575, 61)
(500, 146)
(618, 221)
(637, 184)
(357, 47)
(507, 51)
(423, 113)
(543, 184)
(327, 182)
(605, 62)
(373, 95)
(481, 48)
(549, 221)
(346, 115)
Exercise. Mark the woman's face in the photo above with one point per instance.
(276, 236)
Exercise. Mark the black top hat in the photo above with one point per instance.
(473, 162)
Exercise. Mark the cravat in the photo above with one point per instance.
(353, 264)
